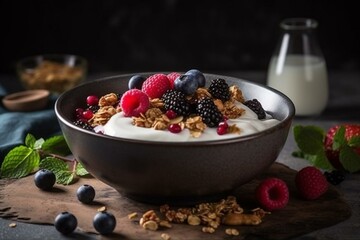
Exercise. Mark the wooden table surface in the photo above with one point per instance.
(343, 106)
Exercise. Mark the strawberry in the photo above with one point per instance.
(311, 183)
(272, 193)
(156, 85)
(172, 77)
(352, 131)
(133, 102)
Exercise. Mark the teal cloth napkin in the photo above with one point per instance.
(14, 126)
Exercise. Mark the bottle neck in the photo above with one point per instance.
(299, 24)
(298, 38)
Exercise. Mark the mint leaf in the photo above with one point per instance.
(298, 154)
(56, 145)
(20, 161)
(354, 141)
(339, 138)
(309, 139)
(349, 159)
(319, 160)
(30, 141)
(38, 144)
(81, 171)
(65, 177)
(61, 170)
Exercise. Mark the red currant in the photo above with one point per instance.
(92, 100)
(174, 128)
(221, 130)
(223, 124)
(171, 114)
(79, 113)
(87, 114)
(222, 127)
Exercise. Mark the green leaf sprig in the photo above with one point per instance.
(310, 140)
(42, 154)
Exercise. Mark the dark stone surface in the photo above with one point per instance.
(171, 34)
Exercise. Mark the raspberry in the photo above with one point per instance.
(134, 102)
(272, 194)
(311, 183)
(156, 85)
(172, 77)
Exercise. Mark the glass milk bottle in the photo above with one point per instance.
(298, 68)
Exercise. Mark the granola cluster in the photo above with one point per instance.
(107, 108)
(154, 118)
(208, 215)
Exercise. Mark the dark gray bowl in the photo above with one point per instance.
(163, 172)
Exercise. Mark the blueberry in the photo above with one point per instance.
(198, 75)
(136, 81)
(186, 84)
(85, 194)
(44, 179)
(65, 222)
(104, 222)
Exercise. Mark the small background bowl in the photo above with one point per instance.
(172, 172)
(54, 72)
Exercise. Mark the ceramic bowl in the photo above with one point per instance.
(170, 172)
(54, 72)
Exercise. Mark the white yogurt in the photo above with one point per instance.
(121, 126)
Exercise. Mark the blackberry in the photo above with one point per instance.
(93, 108)
(176, 101)
(219, 89)
(83, 124)
(334, 177)
(255, 105)
(209, 113)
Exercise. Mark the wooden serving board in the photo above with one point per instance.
(20, 200)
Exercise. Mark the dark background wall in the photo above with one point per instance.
(134, 35)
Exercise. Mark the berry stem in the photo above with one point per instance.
(74, 165)
(65, 159)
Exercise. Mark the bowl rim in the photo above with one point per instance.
(280, 125)
(83, 60)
